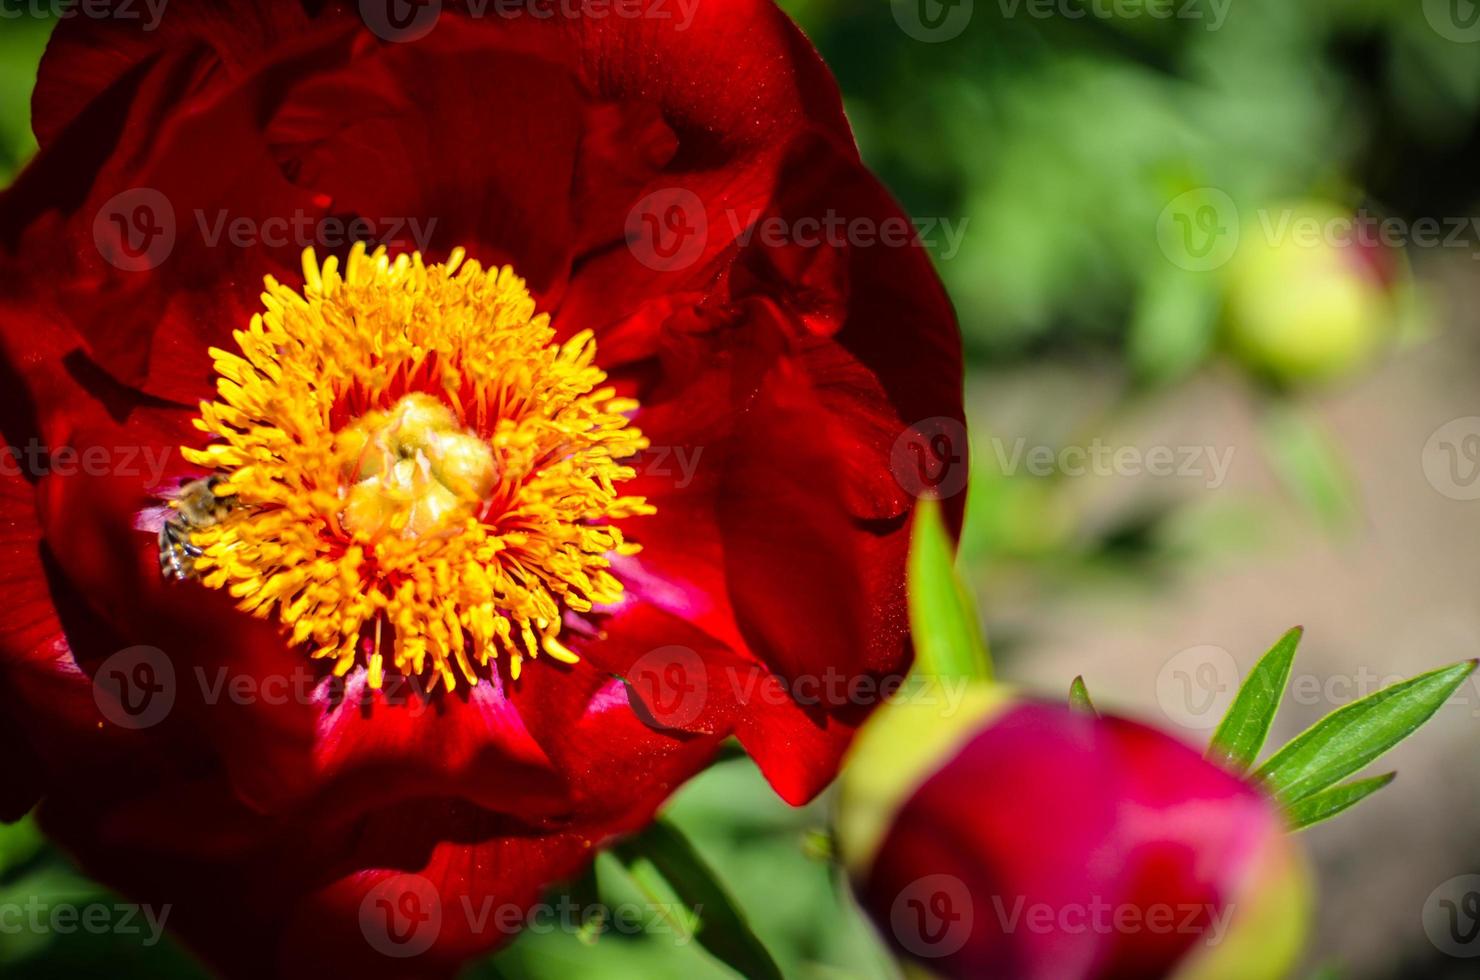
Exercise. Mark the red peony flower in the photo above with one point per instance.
(345, 616)
(1021, 840)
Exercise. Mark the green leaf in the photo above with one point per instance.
(721, 927)
(948, 637)
(1079, 699)
(1311, 465)
(19, 844)
(1328, 803)
(21, 43)
(585, 891)
(1349, 738)
(1241, 734)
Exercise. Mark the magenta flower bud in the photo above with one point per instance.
(1024, 841)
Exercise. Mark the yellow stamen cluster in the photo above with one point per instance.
(418, 471)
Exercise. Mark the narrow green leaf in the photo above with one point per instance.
(1241, 734)
(1311, 465)
(948, 637)
(19, 844)
(722, 927)
(1328, 803)
(585, 892)
(639, 872)
(1349, 738)
(1079, 698)
(21, 44)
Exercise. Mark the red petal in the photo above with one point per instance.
(400, 142)
(308, 891)
(743, 71)
(737, 73)
(585, 721)
(44, 695)
(124, 219)
(757, 560)
(872, 288)
(86, 55)
(1044, 809)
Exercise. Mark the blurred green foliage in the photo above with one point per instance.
(1061, 140)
